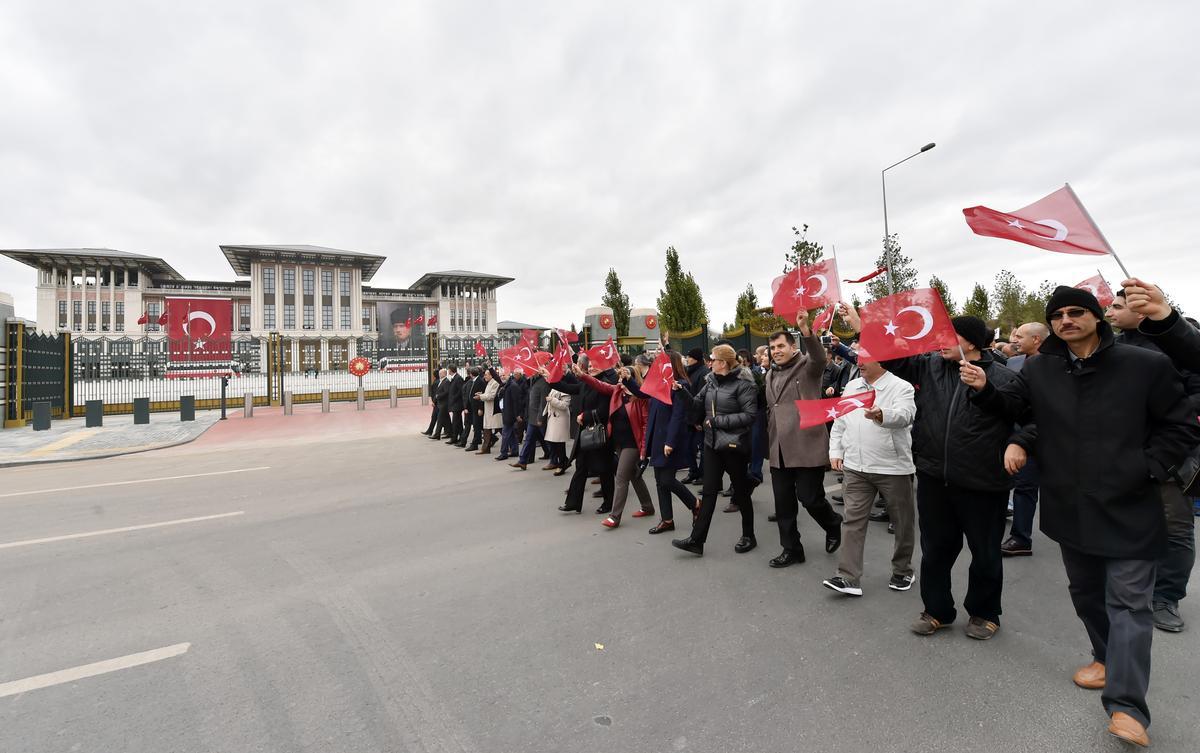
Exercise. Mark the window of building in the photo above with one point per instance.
(77, 315)
(366, 318)
(243, 317)
(327, 316)
(105, 315)
(269, 316)
(152, 312)
(120, 323)
(344, 283)
(289, 315)
(91, 325)
(308, 281)
(345, 317)
(268, 275)
(289, 282)
(327, 284)
(310, 317)
(62, 314)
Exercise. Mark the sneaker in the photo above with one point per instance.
(842, 586)
(901, 582)
(1166, 617)
(1013, 548)
(980, 629)
(926, 625)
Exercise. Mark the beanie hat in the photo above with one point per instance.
(974, 330)
(725, 353)
(1064, 296)
(696, 354)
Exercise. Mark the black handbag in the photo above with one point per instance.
(593, 437)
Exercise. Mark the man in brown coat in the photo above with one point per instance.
(798, 456)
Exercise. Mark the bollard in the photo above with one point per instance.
(392, 395)
(141, 410)
(224, 386)
(187, 408)
(93, 413)
(362, 398)
(287, 403)
(425, 395)
(41, 416)
(248, 405)
(324, 401)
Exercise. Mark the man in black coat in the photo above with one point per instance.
(454, 404)
(1112, 424)
(467, 389)
(513, 398)
(433, 412)
(478, 385)
(441, 400)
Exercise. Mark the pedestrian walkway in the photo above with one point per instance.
(72, 440)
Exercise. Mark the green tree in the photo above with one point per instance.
(904, 274)
(978, 304)
(616, 299)
(803, 251)
(680, 307)
(1008, 300)
(939, 285)
(747, 302)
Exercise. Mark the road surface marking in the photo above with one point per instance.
(105, 532)
(67, 441)
(91, 670)
(134, 481)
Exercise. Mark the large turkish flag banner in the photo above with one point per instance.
(1057, 222)
(198, 333)
(905, 324)
(817, 412)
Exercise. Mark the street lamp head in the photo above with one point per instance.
(928, 146)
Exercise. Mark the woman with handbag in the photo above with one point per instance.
(627, 431)
(593, 456)
(729, 404)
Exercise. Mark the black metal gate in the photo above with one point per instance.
(37, 369)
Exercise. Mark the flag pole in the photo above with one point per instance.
(1100, 232)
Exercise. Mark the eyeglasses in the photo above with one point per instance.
(1068, 313)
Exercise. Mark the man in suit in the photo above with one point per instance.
(477, 385)
(435, 379)
(454, 404)
(441, 395)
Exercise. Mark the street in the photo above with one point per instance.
(341, 583)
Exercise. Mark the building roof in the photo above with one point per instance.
(432, 279)
(91, 257)
(517, 325)
(239, 257)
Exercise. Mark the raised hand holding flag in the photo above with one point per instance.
(905, 324)
(818, 412)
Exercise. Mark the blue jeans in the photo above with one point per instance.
(532, 437)
(1025, 499)
(508, 441)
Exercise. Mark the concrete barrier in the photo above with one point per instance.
(362, 399)
(392, 395)
(187, 407)
(324, 401)
(287, 403)
(248, 405)
(93, 413)
(141, 410)
(41, 416)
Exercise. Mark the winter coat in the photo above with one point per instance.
(513, 398)
(954, 439)
(728, 405)
(474, 387)
(491, 417)
(868, 447)
(696, 375)
(1177, 338)
(558, 416)
(635, 407)
(535, 410)
(799, 379)
(1109, 428)
(454, 396)
(442, 393)
(666, 425)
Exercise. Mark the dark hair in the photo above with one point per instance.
(1119, 294)
(626, 359)
(677, 365)
(397, 316)
(785, 334)
(743, 353)
(722, 341)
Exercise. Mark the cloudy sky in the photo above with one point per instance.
(549, 141)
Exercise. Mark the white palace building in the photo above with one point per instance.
(315, 298)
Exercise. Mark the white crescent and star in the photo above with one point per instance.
(1060, 230)
(820, 291)
(212, 324)
(926, 322)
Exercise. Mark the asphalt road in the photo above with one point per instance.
(380, 592)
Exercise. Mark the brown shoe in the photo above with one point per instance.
(980, 629)
(550, 467)
(926, 625)
(518, 466)
(731, 508)
(1128, 729)
(1090, 677)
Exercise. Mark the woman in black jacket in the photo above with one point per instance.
(593, 411)
(729, 404)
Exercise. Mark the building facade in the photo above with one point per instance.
(315, 298)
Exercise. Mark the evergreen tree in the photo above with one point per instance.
(1008, 301)
(978, 304)
(904, 274)
(616, 299)
(937, 284)
(803, 251)
(747, 302)
(680, 307)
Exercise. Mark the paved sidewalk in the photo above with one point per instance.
(71, 440)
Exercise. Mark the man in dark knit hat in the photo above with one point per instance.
(1120, 409)
(962, 488)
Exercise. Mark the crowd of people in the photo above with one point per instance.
(1091, 414)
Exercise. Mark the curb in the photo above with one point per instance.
(102, 455)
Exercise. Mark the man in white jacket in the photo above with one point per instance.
(873, 448)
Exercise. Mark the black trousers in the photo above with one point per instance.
(794, 487)
(947, 514)
(443, 424)
(433, 417)
(1112, 597)
(456, 425)
(715, 464)
(598, 463)
(668, 483)
(1175, 567)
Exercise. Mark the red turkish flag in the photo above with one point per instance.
(1098, 287)
(530, 337)
(560, 364)
(823, 320)
(433, 320)
(480, 350)
(660, 379)
(198, 333)
(905, 324)
(420, 318)
(521, 356)
(818, 412)
(806, 287)
(143, 318)
(162, 320)
(871, 276)
(1057, 222)
(604, 356)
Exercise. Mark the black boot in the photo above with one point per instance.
(687, 545)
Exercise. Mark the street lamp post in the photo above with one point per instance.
(887, 249)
